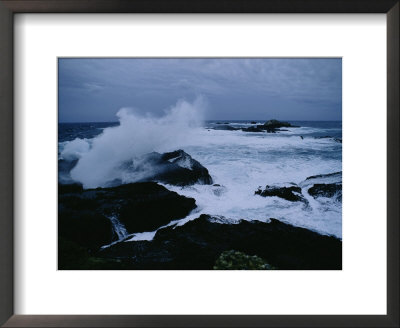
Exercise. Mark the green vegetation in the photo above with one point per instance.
(234, 260)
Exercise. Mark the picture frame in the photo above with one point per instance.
(10, 7)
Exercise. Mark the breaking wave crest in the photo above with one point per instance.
(136, 135)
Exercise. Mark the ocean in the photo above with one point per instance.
(239, 163)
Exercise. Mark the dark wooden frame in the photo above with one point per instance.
(7, 10)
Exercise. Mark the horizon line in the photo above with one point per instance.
(225, 120)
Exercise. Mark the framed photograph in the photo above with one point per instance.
(177, 186)
(162, 163)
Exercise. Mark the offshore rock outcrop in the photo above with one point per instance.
(291, 192)
(226, 127)
(324, 185)
(270, 126)
(326, 190)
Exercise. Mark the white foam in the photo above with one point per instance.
(136, 135)
(142, 236)
(241, 162)
(149, 235)
(238, 161)
(74, 149)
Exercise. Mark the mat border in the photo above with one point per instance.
(10, 7)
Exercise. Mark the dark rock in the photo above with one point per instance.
(226, 127)
(199, 243)
(176, 168)
(326, 190)
(323, 137)
(324, 185)
(329, 175)
(253, 129)
(275, 124)
(147, 206)
(183, 170)
(269, 129)
(71, 256)
(69, 188)
(84, 214)
(253, 122)
(290, 193)
(270, 126)
(259, 128)
(87, 228)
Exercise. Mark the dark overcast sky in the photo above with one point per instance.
(93, 90)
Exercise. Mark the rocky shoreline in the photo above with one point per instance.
(84, 215)
(95, 226)
(85, 227)
(198, 244)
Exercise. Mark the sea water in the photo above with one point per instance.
(239, 163)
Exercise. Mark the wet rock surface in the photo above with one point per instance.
(226, 127)
(326, 190)
(176, 168)
(324, 185)
(84, 214)
(291, 192)
(199, 243)
(334, 175)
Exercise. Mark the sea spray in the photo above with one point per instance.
(240, 162)
(135, 136)
(74, 149)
